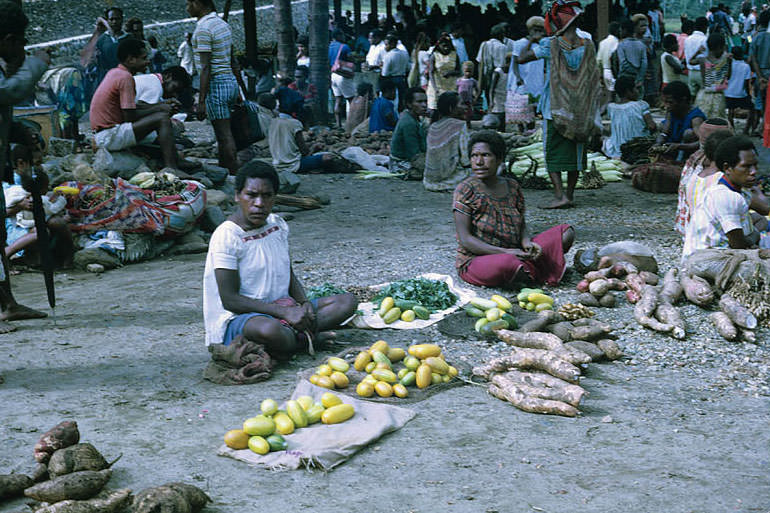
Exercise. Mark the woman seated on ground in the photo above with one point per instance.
(679, 134)
(495, 248)
(446, 156)
(629, 117)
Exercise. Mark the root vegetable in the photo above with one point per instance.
(551, 394)
(170, 497)
(749, 336)
(76, 458)
(621, 269)
(597, 275)
(616, 284)
(599, 287)
(610, 348)
(109, 503)
(669, 314)
(587, 299)
(649, 278)
(570, 394)
(582, 286)
(586, 321)
(544, 341)
(696, 290)
(635, 283)
(591, 332)
(77, 485)
(608, 300)
(632, 296)
(13, 485)
(561, 329)
(537, 324)
(39, 473)
(672, 289)
(645, 308)
(514, 395)
(58, 437)
(724, 325)
(739, 314)
(588, 348)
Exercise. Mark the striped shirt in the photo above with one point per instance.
(212, 35)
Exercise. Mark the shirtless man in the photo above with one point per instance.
(249, 287)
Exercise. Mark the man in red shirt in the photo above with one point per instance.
(116, 119)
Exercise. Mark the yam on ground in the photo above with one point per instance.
(76, 458)
(551, 394)
(696, 290)
(58, 437)
(749, 336)
(671, 290)
(608, 300)
(587, 299)
(645, 309)
(616, 284)
(77, 485)
(589, 332)
(599, 287)
(514, 395)
(610, 348)
(597, 275)
(561, 329)
(588, 321)
(543, 319)
(635, 282)
(546, 341)
(170, 497)
(570, 394)
(39, 473)
(111, 502)
(588, 348)
(621, 269)
(669, 314)
(649, 278)
(739, 314)
(545, 361)
(13, 485)
(724, 325)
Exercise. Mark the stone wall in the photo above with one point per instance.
(170, 34)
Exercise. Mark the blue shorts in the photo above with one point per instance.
(237, 323)
(311, 163)
(223, 93)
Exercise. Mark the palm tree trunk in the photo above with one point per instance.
(250, 30)
(319, 56)
(285, 32)
(337, 12)
(357, 15)
(373, 8)
(389, 9)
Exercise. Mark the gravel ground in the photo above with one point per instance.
(673, 427)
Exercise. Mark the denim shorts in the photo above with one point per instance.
(237, 323)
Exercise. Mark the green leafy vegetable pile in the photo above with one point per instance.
(327, 289)
(433, 295)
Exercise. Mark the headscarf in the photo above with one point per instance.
(560, 16)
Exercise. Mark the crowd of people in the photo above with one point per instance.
(444, 85)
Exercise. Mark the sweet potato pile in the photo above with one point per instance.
(542, 372)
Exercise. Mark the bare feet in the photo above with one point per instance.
(20, 313)
(6, 328)
(562, 202)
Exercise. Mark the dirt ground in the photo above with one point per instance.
(126, 354)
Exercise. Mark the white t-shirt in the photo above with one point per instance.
(721, 211)
(532, 73)
(149, 88)
(261, 257)
(283, 145)
(395, 63)
(375, 54)
(736, 86)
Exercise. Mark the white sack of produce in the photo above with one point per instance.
(324, 446)
(357, 155)
(369, 319)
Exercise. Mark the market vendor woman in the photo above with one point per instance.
(249, 287)
(495, 248)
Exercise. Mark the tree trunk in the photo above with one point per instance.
(373, 8)
(285, 34)
(424, 6)
(319, 56)
(250, 30)
(357, 15)
(389, 8)
(337, 12)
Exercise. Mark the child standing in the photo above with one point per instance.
(715, 69)
(737, 92)
(468, 89)
(629, 117)
(498, 90)
(670, 65)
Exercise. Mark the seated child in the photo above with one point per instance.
(629, 117)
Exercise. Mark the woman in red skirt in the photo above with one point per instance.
(495, 248)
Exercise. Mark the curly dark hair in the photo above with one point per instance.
(256, 169)
(12, 19)
(492, 138)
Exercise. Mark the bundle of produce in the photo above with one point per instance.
(636, 150)
(492, 314)
(171, 497)
(610, 170)
(105, 502)
(423, 366)
(534, 300)
(327, 289)
(413, 298)
(658, 315)
(162, 182)
(265, 432)
(331, 374)
(734, 321)
(754, 294)
(596, 286)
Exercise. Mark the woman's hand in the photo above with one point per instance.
(532, 249)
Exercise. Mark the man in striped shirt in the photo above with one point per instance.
(212, 42)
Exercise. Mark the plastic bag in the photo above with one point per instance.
(357, 155)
